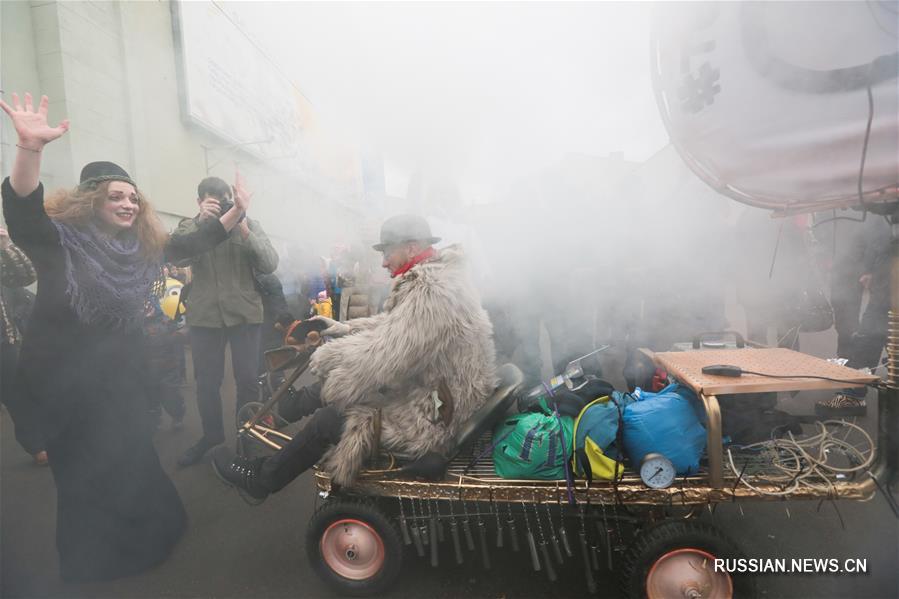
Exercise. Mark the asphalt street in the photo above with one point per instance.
(235, 550)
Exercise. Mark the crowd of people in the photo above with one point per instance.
(109, 319)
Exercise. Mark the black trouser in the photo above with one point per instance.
(846, 301)
(868, 341)
(207, 346)
(308, 446)
(301, 403)
(269, 338)
(166, 367)
(860, 341)
(165, 391)
(20, 407)
(335, 306)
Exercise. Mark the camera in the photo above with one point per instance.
(226, 204)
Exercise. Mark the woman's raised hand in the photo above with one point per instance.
(31, 125)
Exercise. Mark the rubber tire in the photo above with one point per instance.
(654, 542)
(337, 509)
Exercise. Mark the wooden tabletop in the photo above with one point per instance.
(686, 366)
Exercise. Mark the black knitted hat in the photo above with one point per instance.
(95, 173)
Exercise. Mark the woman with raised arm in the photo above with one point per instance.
(98, 251)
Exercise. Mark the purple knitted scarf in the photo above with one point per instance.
(107, 278)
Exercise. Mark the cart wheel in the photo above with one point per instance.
(354, 547)
(676, 559)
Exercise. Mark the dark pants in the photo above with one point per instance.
(269, 338)
(208, 350)
(308, 446)
(165, 392)
(166, 368)
(846, 301)
(860, 341)
(335, 306)
(21, 410)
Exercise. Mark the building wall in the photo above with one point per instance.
(110, 67)
(31, 60)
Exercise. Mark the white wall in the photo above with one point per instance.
(110, 67)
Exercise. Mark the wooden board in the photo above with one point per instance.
(687, 368)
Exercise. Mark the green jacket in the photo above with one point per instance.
(222, 290)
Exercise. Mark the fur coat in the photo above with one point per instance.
(433, 331)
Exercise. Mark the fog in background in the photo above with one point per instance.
(477, 92)
(530, 133)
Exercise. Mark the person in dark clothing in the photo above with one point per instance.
(165, 353)
(274, 305)
(224, 309)
(98, 251)
(16, 272)
(861, 264)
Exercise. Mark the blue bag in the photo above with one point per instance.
(667, 423)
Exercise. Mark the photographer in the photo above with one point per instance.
(225, 309)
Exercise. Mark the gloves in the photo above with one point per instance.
(335, 329)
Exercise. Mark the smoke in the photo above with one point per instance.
(476, 97)
(530, 133)
(479, 92)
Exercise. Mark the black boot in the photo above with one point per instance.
(239, 471)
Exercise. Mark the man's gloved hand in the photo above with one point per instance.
(335, 329)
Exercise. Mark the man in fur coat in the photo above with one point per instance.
(426, 362)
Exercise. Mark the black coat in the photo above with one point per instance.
(117, 511)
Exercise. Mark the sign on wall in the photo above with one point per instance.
(231, 88)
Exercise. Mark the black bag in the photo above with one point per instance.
(751, 417)
(815, 313)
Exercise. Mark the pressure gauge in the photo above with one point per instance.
(657, 471)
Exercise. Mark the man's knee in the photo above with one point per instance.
(328, 423)
(300, 403)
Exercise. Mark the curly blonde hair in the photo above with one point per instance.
(77, 206)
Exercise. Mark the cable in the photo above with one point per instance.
(804, 462)
(861, 166)
(729, 370)
(877, 19)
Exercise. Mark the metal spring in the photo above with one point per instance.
(893, 351)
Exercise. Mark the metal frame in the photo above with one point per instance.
(708, 487)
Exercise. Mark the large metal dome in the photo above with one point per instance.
(770, 102)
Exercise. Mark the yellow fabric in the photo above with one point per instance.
(323, 308)
(172, 298)
(601, 466)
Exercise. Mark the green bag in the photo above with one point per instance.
(533, 445)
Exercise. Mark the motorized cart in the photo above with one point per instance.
(359, 537)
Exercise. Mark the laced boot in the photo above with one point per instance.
(239, 471)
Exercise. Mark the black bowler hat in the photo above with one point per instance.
(95, 173)
(403, 228)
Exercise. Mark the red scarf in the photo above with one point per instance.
(425, 255)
